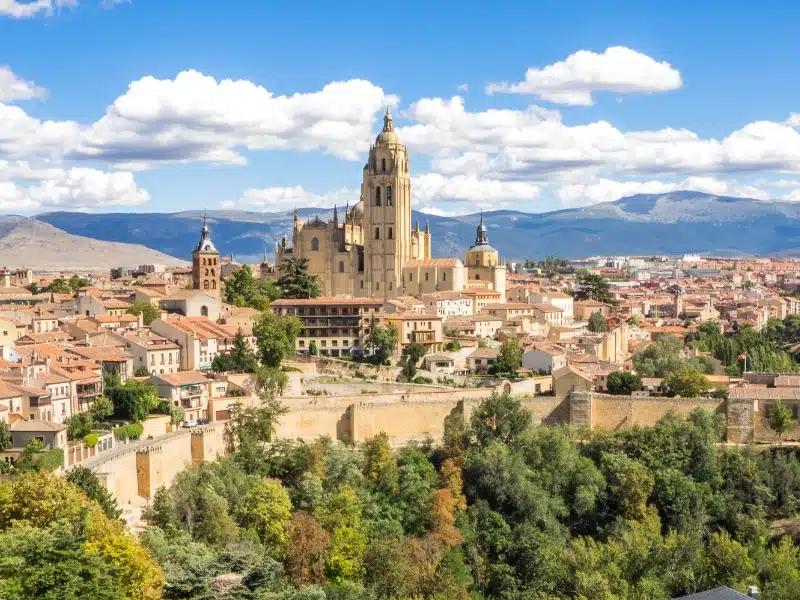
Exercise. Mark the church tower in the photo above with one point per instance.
(205, 263)
(386, 191)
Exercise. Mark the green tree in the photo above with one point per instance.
(101, 409)
(86, 481)
(243, 289)
(623, 383)
(635, 320)
(341, 517)
(267, 510)
(412, 353)
(146, 309)
(5, 436)
(312, 348)
(630, 485)
(240, 358)
(116, 273)
(780, 418)
(686, 383)
(380, 465)
(510, 357)
(381, 342)
(294, 280)
(593, 287)
(141, 371)
(133, 400)
(499, 418)
(251, 426)
(79, 425)
(275, 337)
(597, 323)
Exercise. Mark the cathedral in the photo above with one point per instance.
(374, 250)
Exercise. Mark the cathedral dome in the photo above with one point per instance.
(388, 135)
(358, 209)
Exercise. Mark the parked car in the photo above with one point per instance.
(202, 421)
(190, 423)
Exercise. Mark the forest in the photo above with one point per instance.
(499, 509)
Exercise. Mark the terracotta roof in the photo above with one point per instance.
(568, 369)
(114, 303)
(100, 353)
(484, 353)
(8, 390)
(35, 425)
(508, 306)
(412, 317)
(183, 378)
(547, 308)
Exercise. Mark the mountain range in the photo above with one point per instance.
(675, 223)
(35, 244)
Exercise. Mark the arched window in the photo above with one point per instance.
(390, 236)
(213, 273)
(377, 233)
(205, 284)
(477, 261)
(203, 261)
(203, 313)
(383, 165)
(388, 195)
(444, 276)
(377, 285)
(426, 276)
(411, 277)
(406, 166)
(206, 272)
(390, 286)
(378, 196)
(213, 284)
(341, 266)
(315, 244)
(477, 276)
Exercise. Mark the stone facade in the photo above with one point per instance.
(206, 274)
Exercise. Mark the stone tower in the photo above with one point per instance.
(205, 263)
(386, 191)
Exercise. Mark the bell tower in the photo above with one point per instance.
(386, 190)
(205, 263)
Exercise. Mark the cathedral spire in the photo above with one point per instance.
(418, 229)
(335, 215)
(387, 121)
(427, 226)
(480, 236)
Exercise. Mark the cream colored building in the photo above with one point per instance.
(374, 251)
(420, 329)
(151, 351)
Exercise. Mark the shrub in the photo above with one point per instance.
(131, 431)
(423, 379)
(91, 439)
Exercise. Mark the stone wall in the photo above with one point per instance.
(614, 412)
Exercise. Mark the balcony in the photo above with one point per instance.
(40, 401)
(191, 391)
(88, 391)
(193, 402)
(423, 337)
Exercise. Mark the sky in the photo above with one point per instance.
(171, 105)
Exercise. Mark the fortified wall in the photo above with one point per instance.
(134, 471)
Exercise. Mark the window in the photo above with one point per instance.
(362, 284)
(377, 285)
(477, 276)
(444, 276)
(203, 261)
(411, 277)
(213, 274)
(378, 196)
(383, 165)
(341, 266)
(207, 272)
(204, 311)
(377, 233)
(213, 284)
(205, 284)
(388, 195)
(390, 286)
(315, 245)
(426, 276)
(391, 233)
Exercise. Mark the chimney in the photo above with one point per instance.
(752, 592)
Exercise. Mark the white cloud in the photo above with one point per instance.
(48, 188)
(572, 81)
(464, 87)
(19, 9)
(12, 87)
(430, 190)
(24, 136)
(194, 117)
(608, 190)
(274, 199)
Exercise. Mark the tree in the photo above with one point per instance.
(5, 436)
(341, 517)
(134, 399)
(780, 418)
(510, 357)
(380, 465)
(686, 383)
(141, 371)
(251, 426)
(499, 418)
(116, 273)
(307, 551)
(240, 358)
(412, 353)
(79, 425)
(101, 409)
(243, 289)
(275, 337)
(630, 485)
(593, 287)
(294, 280)
(597, 323)
(86, 481)
(635, 320)
(146, 309)
(381, 342)
(623, 383)
(35, 458)
(312, 348)
(267, 510)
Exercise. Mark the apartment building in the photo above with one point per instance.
(187, 389)
(199, 339)
(508, 310)
(154, 352)
(334, 325)
(448, 304)
(419, 329)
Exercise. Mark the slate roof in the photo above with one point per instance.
(720, 593)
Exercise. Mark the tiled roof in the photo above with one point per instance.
(183, 378)
(720, 593)
(326, 302)
(35, 425)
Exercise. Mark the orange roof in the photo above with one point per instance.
(326, 301)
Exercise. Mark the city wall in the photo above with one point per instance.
(134, 471)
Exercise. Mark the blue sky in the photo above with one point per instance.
(167, 105)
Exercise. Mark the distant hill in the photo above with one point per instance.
(675, 223)
(33, 243)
